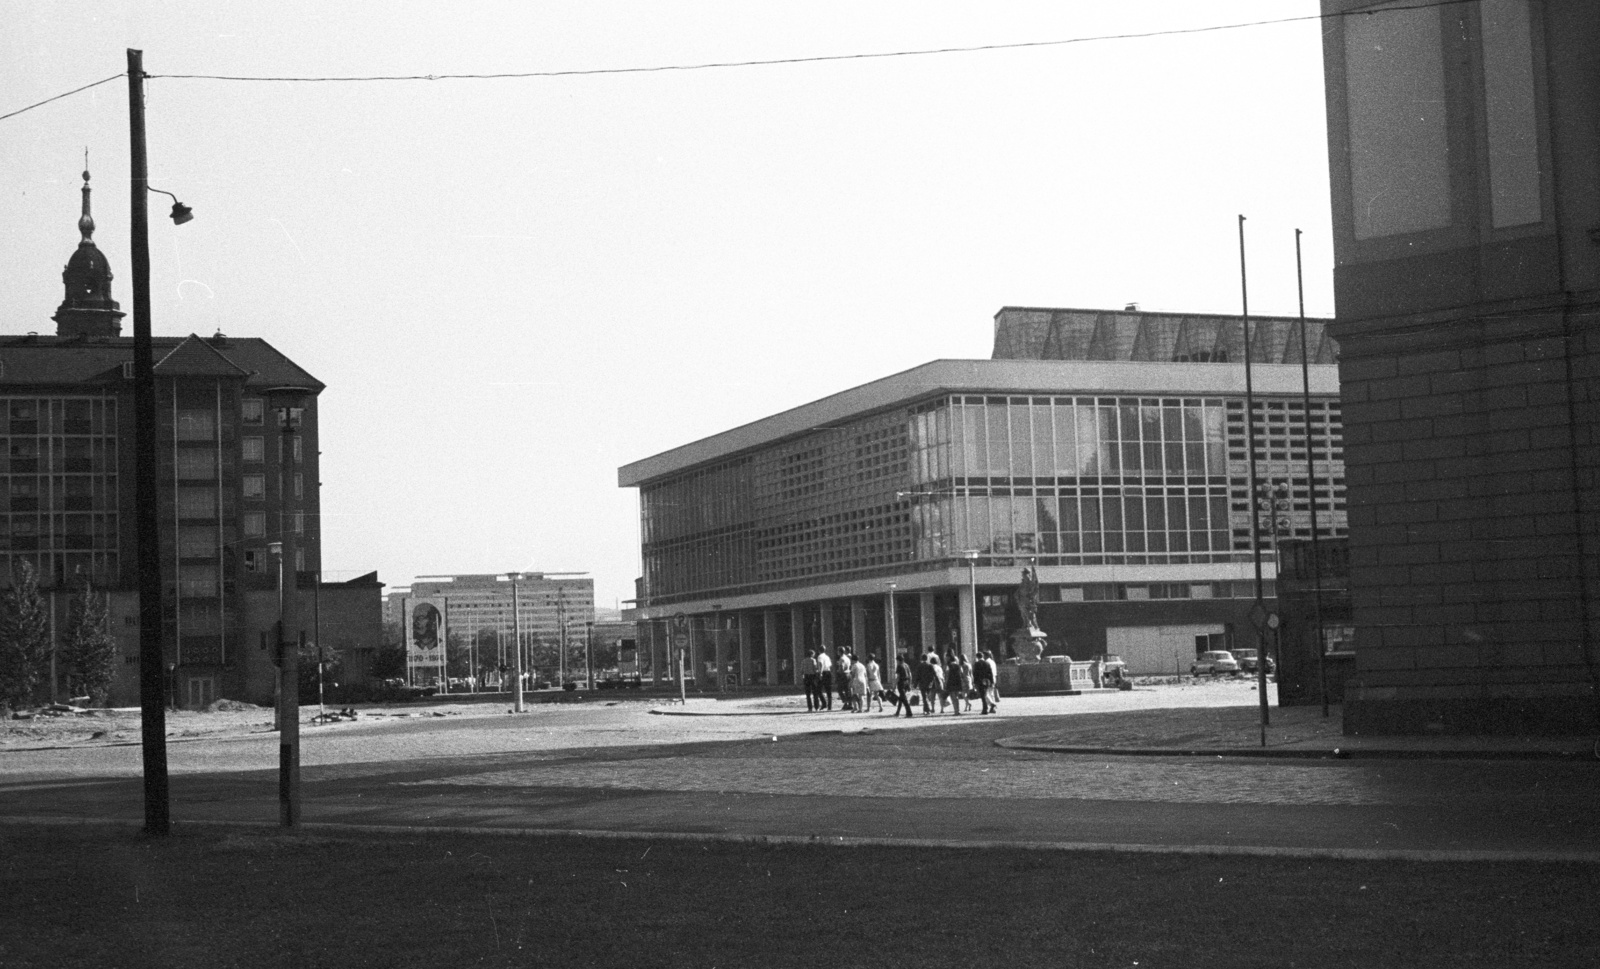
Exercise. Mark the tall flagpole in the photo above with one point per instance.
(1311, 476)
(1260, 608)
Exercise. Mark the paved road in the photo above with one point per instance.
(623, 770)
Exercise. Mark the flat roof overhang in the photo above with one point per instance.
(1021, 377)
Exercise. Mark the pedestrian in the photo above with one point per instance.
(994, 683)
(841, 681)
(825, 679)
(874, 682)
(902, 685)
(982, 680)
(966, 680)
(859, 685)
(956, 682)
(808, 677)
(934, 692)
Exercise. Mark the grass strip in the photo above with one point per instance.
(216, 897)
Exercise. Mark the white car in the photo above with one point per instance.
(1213, 662)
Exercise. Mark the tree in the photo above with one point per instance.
(332, 658)
(24, 637)
(458, 659)
(89, 650)
(389, 660)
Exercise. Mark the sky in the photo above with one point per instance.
(512, 287)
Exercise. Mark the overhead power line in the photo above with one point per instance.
(770, 62)
(823, 58)
(58, 97)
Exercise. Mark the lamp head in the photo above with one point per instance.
(181, 213)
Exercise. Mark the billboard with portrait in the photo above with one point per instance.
(425, 632)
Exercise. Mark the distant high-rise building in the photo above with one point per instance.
(479, 618)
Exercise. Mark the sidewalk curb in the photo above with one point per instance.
(1337, 753)
(830, 841)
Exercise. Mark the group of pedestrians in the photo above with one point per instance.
(938, 684)
(855, 681)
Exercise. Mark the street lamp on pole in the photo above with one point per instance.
(893, 652)
(516, 626)
(971, 555)
(290, 413)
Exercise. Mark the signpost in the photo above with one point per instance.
(680, 642)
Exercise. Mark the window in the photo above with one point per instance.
(196, 464)
(299, 452)
(252, 410)
(299, 523)
(255, 524)
(197, 541)
(197, 503)
(255, 560)
(255, 486)
(196, 425)
(299, 485)
(197, 580)
(254, 450)
(1510, 109)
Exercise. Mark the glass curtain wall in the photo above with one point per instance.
(1051, 480)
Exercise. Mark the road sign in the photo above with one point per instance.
(681, 640)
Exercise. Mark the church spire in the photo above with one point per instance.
(86, 220)
(88, 309)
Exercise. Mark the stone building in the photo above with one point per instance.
(1462, 144)
(229, 483)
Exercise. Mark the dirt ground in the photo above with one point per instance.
(97, 728)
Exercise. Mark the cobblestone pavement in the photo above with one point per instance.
(772, 771)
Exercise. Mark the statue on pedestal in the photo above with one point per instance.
(1029, 641)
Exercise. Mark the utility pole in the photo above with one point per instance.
(152, 705)
(290, 633)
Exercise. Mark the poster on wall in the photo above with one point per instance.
(425, 638)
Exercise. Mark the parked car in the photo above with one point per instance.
(1109, 662)
(1247, 661)
(1213, 662)
(1113, 671)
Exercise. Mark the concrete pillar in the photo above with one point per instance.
(769, 639)
(742, 637)
(647, 646)
(926, 616)
(697, 632)
(964, 598)
(891, 631)
(858, 626)
(719, 648)
(797, 636)
(827, 626)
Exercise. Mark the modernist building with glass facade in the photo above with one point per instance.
(906, 509)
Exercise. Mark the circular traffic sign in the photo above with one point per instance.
(681, 640)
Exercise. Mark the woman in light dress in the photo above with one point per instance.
(874, 683)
